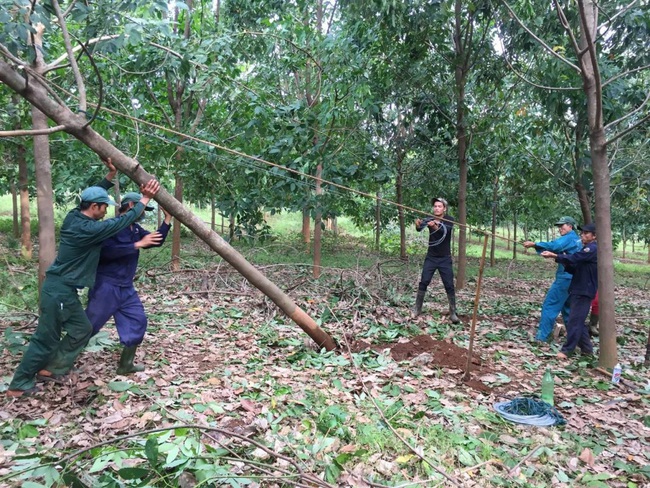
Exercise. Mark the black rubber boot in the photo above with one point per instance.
(419, 300)
(452, 308)
(593, 325)
(126, 365)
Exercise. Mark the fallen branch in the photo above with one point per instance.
(526, 458)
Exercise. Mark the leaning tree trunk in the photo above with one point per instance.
(76, 125)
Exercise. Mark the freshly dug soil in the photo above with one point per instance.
(444, 355)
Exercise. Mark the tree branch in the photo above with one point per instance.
(532, 83)
(29, 132)
(625, 73)
(628, 130)
(594, 59)
(611, 124)
(567, 28)
(540, 41)
(7, 54)
(81, 87)
(620, 12)
(56, 63)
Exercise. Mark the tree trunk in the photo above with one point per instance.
(318, 221)
(400, 209)
(42, 168)
(213, 213)
(593, 91)
(306, 231)
(14, 208)
(377, 220)
(176, 229)
(583, 195)
(514, 234)
(495, 195)
(460, 75)
(624, 239)
(75, 125)
(25, 212)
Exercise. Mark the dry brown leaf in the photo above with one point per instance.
(587, 457)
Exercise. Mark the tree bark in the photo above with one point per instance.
(318, 223)
(514, 234)
(306, 230)
(593, 91)
(400, 209)
(42, 168)
(460, 75)
(495, 195)
(176, 229)
(75, 125)
(25, 212)
(377, 220)
(14, 208)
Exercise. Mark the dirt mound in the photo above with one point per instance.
(443, 355)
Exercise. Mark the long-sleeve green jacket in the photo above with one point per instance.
(81, 242)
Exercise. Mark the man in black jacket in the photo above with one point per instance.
(441, 227)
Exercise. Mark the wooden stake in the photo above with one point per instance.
(472, 331)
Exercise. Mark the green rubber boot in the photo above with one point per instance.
(126, 365)
(452, 308)
(419, 300)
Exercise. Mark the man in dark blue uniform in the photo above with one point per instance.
(438, 257)
(583, 265)
(114, 294)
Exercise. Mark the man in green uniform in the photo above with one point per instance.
(49, 357)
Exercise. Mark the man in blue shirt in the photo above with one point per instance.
(114, 294)
(557, 298)
(583, 265)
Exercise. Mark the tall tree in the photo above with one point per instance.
(590, 53)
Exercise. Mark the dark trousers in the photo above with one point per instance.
(577, 333)
(60, 311)
(444, 267)
(122, 303)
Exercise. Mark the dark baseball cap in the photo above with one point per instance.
(441, 200)
(96, 194)
(567, 220)
(588, 228)
(135, 198)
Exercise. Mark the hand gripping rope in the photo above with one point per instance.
(442, 225)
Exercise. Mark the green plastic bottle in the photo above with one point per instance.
(548, 387)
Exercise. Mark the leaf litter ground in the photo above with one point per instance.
(389, 407)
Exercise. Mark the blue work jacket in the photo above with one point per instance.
(118, 260)
(569, 243)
